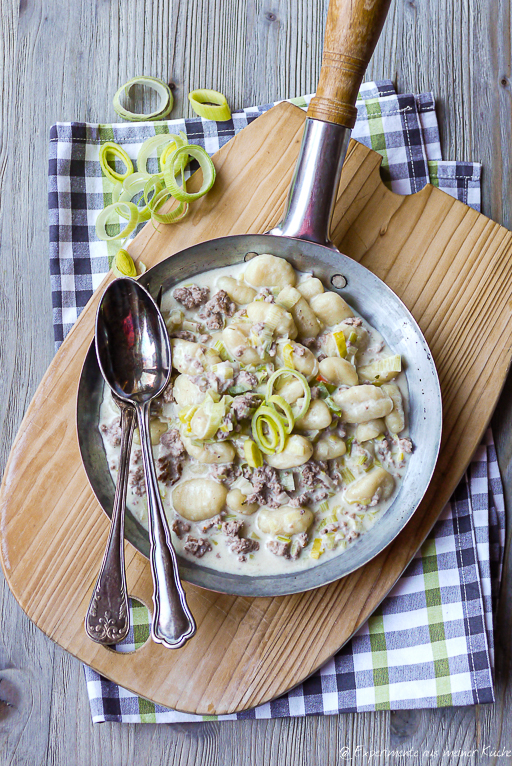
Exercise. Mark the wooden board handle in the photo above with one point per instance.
(351, 33)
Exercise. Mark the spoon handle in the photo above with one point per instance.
(107, 621)
(173, 623)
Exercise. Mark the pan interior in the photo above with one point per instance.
(370, 297)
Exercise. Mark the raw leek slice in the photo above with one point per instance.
(111, 150)
(174, 163)
(163, 90)
(154, 142)
(210, 104)
(102, 220)
(124, 265)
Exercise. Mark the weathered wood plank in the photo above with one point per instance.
(69, 65)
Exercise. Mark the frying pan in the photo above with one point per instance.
(302, 238)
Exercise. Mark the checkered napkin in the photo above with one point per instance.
(430, 643)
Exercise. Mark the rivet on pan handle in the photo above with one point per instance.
(351, 34)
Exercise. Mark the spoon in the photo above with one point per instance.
(107, 621)
(134, 355)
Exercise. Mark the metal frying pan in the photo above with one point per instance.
(302, 238)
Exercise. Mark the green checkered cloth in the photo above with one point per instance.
(430, 643)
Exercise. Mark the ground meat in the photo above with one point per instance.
(244, 405)
(329, 528)
(321, 357)
(137, 482)
(136, 456)
(192, 296)
(265, 294)
(209, 381)
(405, 445)
(310, 473)
(171, 440)
(315, 392)
(353, 322)
(227, 473)
(375, 499)
(166, 394)
(232, 528)
(209, 523)
(204, 338)
(311, 343)
(112, 432)
(228, 425)
(268, 490)
(301, 542)
(214, 311)
(242, 546)
(246, 379)
(299, 350)
(279, 548)
(184, 335)
(197, 546)
(169, 469)
(180, 528)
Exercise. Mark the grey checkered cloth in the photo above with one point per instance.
(430, 643)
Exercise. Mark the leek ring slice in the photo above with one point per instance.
(299, 376)
(102, 220)
(278, 401)
(154, 142)
(108, 150)
(274, 440)
(173, 165)
(163, 90)
(210, 104)
(124, 265)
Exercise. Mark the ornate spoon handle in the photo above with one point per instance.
(107, 621)
(173, 623)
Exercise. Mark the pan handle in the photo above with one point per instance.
(351, 34)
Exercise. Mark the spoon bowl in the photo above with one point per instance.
(134, 355)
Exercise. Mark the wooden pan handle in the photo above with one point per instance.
(351, 34)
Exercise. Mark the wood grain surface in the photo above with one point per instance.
(450, 265)
(64, 60)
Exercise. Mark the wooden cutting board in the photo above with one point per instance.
(451, 266)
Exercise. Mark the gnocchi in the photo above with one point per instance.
(362, 403)
(199, 499)
(297, 451)
(247, 485)
(377, 484)
(330, 308)
(269, 271)
(285, 520)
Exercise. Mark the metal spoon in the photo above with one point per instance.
(134, 355)
(107, 621)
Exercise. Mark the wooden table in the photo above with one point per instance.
(64, 61)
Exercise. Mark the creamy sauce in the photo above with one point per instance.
(349, 521)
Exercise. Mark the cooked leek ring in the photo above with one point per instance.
(210, 104)
(174, 163)
(124, 265)
(274, 440)
(108, 150)
(252, 454)
(101, 221)
(305, 385)
(163, 90)
(278, 401)
(339, 339)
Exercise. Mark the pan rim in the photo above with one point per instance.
(283, 584)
